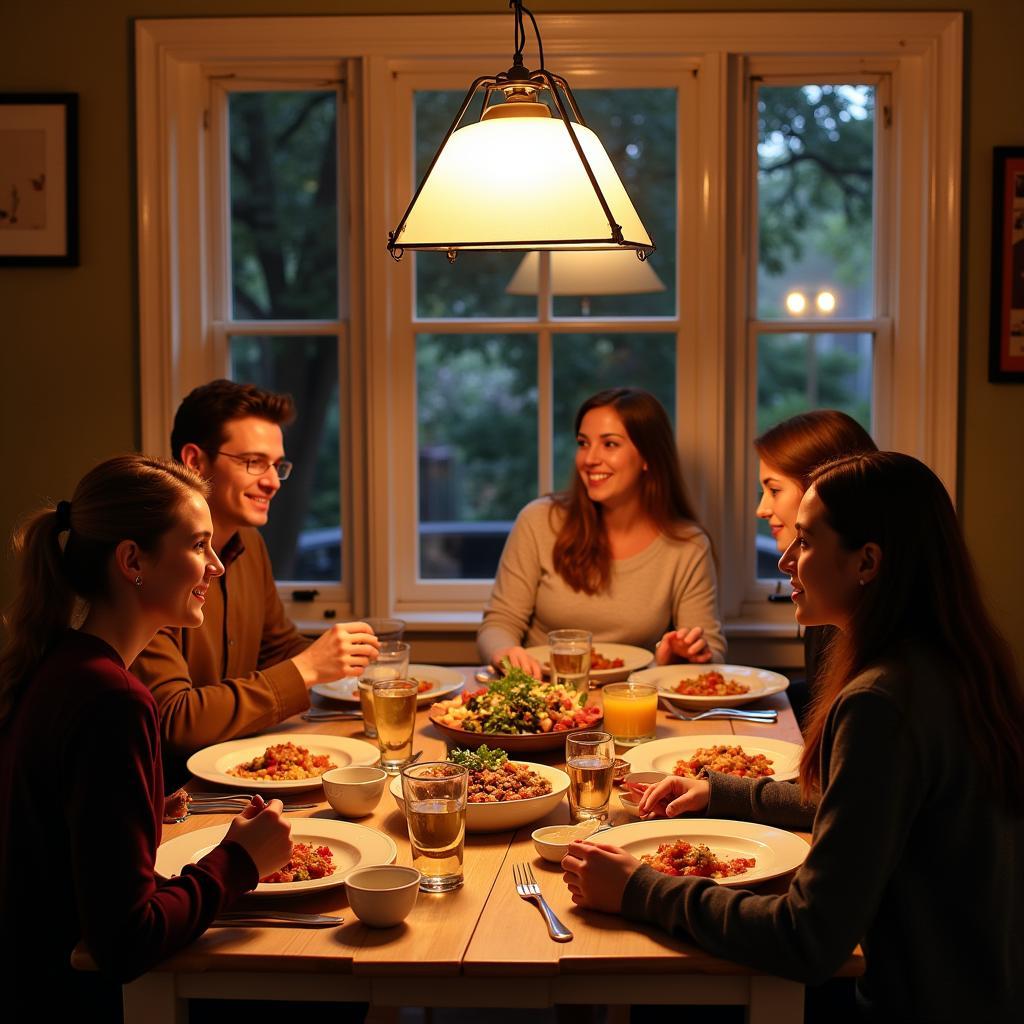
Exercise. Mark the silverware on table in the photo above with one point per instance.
(236, 807)
(415, 757)
(274, 919)
(739, 714)
(528, 889)
(315, 715)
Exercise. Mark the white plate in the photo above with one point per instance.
(510, 814)
(352, 845)
(633, 658)
(762, 683)
(212, 763)
(775, 851)
(443, 680)
(662, 755)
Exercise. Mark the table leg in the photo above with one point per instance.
(775, 1001)
(153, 999)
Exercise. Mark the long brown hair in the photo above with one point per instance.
(131, 497)
(925, 594)
(797, 446)
(582, 555)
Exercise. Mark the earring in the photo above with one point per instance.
(138, 581)
(862, 582)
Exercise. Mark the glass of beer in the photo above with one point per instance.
(570, 658)
(392, 663)
(394, 706)
(590, 762)
(630, 712)
(435, 811)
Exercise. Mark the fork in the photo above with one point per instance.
(528, 889)
(739, 714)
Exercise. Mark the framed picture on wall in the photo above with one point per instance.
(38, 179)
(1006, 343)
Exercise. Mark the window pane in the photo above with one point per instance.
(638, 129)
(477, 444)
(587, 363)
(800, 372)
(303, 533)
(816, 172)
(284, 198)
(474, 285)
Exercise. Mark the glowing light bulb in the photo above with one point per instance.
(796, 303)
(826, 302)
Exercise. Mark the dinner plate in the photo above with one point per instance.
(775, 851)
(504, 816)
(513, 743)
(212, 763)
(352, 846)
(662, 755)
(762, 683)
(633, 658)
(443, 681)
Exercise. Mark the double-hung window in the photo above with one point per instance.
(799, 174)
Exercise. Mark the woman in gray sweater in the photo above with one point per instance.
(912, 777)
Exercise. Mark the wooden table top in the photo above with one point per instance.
(481, 928)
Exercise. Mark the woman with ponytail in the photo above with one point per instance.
(912, 777)
(81, 786)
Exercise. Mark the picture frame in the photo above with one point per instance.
(39, 179)
(1006, 340)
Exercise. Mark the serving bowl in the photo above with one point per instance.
(504, 816)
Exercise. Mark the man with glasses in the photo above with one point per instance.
(246, 668)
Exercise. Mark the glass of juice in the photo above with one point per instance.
(392, 663)
(570, 658)
(394, 707)
(630, 712)
(590, 763)
(435, 811)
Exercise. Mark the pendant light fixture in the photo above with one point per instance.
(522, 177)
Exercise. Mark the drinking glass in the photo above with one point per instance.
(435, 811)
(570, 658)
(630, 712)
(386, 629)
(590, 762)
(394, 706)
(392, 663)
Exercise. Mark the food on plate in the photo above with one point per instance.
(683, 858)
(284, 762)
(493, 778)
(598, 662)
(729, 760)
(422, 685)
(517, 704)
(306, 862)
(710, 684)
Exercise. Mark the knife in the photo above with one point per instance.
(272, 919)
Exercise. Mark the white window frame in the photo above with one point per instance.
(922, 55)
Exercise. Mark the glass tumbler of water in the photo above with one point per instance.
(392, 663)
(570, 658)
(435, 811)
(394, 705)
(590, 763)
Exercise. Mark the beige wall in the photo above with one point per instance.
(68, 347)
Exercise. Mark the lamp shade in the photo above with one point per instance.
(588, 273)
(512, 183)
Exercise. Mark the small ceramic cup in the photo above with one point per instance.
(354, 791)
(543, 842)
(382, 896)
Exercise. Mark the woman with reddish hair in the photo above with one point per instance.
(620, 553)
(912, 777)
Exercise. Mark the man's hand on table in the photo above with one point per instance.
(596, 875)
(344, 650)
(263, 834)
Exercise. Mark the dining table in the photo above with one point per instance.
(480, 945)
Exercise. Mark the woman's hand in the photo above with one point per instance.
(682, 645)
(263, 834)
(673, 796)
(596, 875)
(518, 658)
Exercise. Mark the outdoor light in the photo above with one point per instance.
(523, 176)
(825, 301)
(796, 303)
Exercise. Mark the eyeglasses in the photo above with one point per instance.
(257, 465)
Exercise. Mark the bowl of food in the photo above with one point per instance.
(516, 713)
(382, 896)
(502, 794)
(552, 841)
(354, 791)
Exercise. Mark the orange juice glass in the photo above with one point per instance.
(630, 712)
